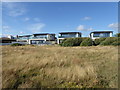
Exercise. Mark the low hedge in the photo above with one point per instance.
(110, 41)
(98, 41)
(76, 42)
(86, 42)
(71, 42)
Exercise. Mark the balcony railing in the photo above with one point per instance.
(32, 38)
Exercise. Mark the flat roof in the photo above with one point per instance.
(25, 36)
(102, 31)
(69, 32)
(43, 34)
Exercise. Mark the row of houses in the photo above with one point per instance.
(49, 38)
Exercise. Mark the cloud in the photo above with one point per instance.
(87, 18)
(21, 32)
(26, 19)
(82, 28)
(113, 26)
(36, 19)
(5, 27)
(90, 29)
(14, 9)
(37, 27)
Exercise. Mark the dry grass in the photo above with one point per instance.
(55, 66)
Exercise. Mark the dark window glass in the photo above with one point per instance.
(101, 35)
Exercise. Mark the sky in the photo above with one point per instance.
(23, 18)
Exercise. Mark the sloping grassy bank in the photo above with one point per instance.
(55, 66)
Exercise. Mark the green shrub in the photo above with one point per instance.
(16, 44)
(77, 41)
(117, 42)
(110, 41)
(62, 42)
(98, 41)
(117, 35)
(71, 42)
(68, 42)
(86, 42)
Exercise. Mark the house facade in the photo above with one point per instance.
(23, 38)
(42, 38)
(99, 34)
(63, 35)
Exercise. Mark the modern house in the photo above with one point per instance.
(24, 38)
(63, 35)
(42, 38)
(98, 34)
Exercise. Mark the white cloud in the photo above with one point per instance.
(82, 28)
(21, 32)
(5, 27)
(37, 27)
(36, 19)
(26, 19)
(113, 26)
(14, 9)
(90, 29)
(87, 18)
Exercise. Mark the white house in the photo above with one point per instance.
(98, 34)
(42, 38)
(63, 35)
(23, 38)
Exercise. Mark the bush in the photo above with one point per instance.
(77, 41)
(117, 42)
(86, 42)
(110, 41)
(68, 42)
(98, 41)
(71, 42)
(16, 44)
(62, 42)
(117, 35)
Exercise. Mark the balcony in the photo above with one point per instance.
(32, 38)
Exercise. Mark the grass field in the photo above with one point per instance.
(55, 66)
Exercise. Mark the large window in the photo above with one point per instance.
(101, 35)
(67, 35)
(25, 37)
(41, 36)
(37, 41)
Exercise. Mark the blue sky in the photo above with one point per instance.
(23, 18)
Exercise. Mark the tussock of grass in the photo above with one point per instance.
(54, 66)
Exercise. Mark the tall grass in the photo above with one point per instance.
(55, 66)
